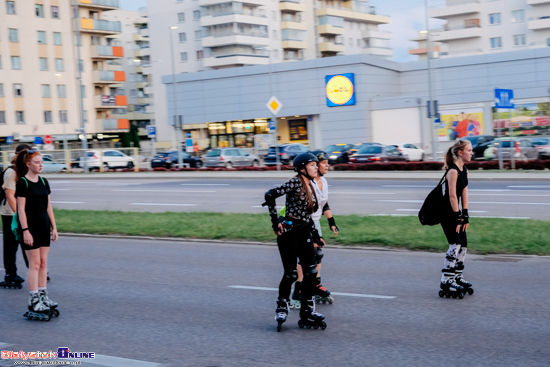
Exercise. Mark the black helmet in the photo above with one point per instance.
(303, 159)
(321, 155)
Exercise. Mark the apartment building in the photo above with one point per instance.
(421, 50)
(193, 36)
(489, 26)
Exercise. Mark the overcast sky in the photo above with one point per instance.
(407, 18)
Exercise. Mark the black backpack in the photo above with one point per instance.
(2, 192)
(431, 211)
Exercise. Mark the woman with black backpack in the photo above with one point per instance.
(454, 221)
(296, 234)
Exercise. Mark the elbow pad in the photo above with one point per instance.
(270, 199)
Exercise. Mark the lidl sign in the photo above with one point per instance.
(340, 89)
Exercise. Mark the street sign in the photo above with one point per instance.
(504, 98)
(9, 139)
(189, 145)
(48, 139)
(272, 125)
(274, 105)
(151, 131)
(38, 140)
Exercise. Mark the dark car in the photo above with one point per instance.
(287, 153)
(479, 144)
(378, 153)
(358, 147)
(170, 159)
(338, 153)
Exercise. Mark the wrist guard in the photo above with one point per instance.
(465, 216)
(274, 222)
(332, 223)
(458, 217)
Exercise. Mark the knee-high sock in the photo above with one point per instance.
(462, 254)
(451, 256)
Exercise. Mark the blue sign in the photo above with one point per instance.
(9, 139)
(151, 131)
(340, 89)
(504, 98)
(272, 125)
(38, 141)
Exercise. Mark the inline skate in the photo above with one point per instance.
(12, 281)
(282, 313)
(448, 287)
(309, 318)
(463, 282)
(37, 310)
(322, 295)
(296, 299)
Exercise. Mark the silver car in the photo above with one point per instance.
(230, 157)
(521, 148)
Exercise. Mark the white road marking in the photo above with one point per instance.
(160, 191)
(362, 193)
(335, 293)
(204, 184)
(162, 204)
(495, 190)
(531, 187)
(416, 210)
(471, 202)
(67, 202)
(403, 201)
(410, 186)
(60, 189)
(259, 206)
(508, 195)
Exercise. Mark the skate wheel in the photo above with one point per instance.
(454, 295)
(460, 295)
(308, 326)
(447, 295)
(316, 327)
(331, 300)
(441, 294)
(470, 291)
(301, 324)
(55, 312)
(323, 325)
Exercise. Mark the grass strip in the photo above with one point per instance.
(485, 235)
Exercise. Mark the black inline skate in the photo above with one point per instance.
(12, 281)
(322, 295)
(296, 298)
(463, 282)
(282, 313)
(448, 287)
(38, 310)
(309, 318)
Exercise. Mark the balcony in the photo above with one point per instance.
(538, 2)
(107, 52)
(422, 50)
(211, 20)
(351, 14)
(138, 116)
(292, 6)
(140, 37)
(235, 39)
(294, 25)
(106, 101)
(376, 34)
(99, 4)
(97, 26)
(331, 47)
(293, 45)
(114, 124)
(108, 77)
(214, 2)
(456, 7)
(234, 60)
(378, 51)
(142, 52)
(327, 29)
(471, 29)
(538, 24)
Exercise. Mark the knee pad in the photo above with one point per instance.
(319, 255)
(310, 271)
(291, 275)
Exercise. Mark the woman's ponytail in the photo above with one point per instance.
(452, 154)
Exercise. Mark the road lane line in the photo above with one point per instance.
(508, 195)
(259, 206)
(161, 191)
(471, 202)
(67, 202)
(531, 187)
(163, 204)
(362, 193)
(410, 186)
(335, 293)
(60, 189)
(416, 210)
(204, 184)
(495, 190)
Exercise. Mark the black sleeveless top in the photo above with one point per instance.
(461, 184)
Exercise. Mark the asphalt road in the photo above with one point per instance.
(145, 303)
(497, 198)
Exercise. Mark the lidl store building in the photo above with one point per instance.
(361, 98)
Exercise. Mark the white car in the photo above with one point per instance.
(111, 159)
(411, 151)
(50, 165)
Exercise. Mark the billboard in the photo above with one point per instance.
(340, 89)
(525, 119)
(456, 124)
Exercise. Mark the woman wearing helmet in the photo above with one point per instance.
(296, 234)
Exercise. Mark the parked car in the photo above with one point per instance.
(338, 153)
(230, 157)
(411, 151)
(111, 159)
(49, 165)
(170, 159)
(287, 153)
(543, 147)
(378, 153)
(479, 144)
(358, 146)
(521, 148)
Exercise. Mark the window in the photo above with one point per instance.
(55, 12)
(198, 35)
(181, 17)
(83, 91)
(133, 92)
(518, 16)
(96, 40)
(57, 38)
(351, 41)
(200, 55)
(1, 90)
(13, 35)
(496, 42)
(2, 118)
(494, 18)
(10, 7)
(63, 116)
(48, 117)
(196, 14)
(81, 65)
(519, 40)
(18, 90)
(59, 65)
(43, 64)
(183, 37)
(183, 56)
(61, 92)
(15, 63)
(39, 10)
(41, 35)
(0, 62)
(46, 91)
(19, 117)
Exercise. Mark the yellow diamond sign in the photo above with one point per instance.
(274, 105)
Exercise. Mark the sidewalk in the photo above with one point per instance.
(505, 175)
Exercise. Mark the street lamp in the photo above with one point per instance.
(82, 122)
(430, 87)
(177, 125)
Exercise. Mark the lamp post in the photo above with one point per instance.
(430, 87)
(177, 126)
(82, 129)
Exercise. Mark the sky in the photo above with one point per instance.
(407, 18)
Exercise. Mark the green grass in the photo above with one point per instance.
(485, 235)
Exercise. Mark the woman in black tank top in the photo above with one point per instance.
(455, 222)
